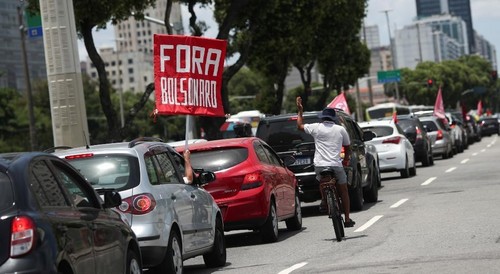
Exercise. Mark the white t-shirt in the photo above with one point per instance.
(329, 139)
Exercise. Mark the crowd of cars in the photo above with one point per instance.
(124, 207)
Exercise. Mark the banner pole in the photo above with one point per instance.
(188, 128)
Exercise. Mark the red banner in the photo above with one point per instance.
(340, 102)
(188, 75)
(439, 106)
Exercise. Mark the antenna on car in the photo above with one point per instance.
(86, 143)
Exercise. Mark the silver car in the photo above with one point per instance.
(441, 139)
(173, 221)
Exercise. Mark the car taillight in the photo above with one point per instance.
(252, 180)
(79, 156)
(138, 204)
(22, 237)
(392, 140)
(439, 135)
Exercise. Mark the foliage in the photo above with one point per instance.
(245, 83)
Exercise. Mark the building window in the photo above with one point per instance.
(130, 70)
(93, 75)
(131, 79)
(130, 61)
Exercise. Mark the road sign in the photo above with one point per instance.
(389, 76)
(34, 22)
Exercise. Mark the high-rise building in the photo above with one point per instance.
(129, 67)
(11, 63)
(370, 35)
(460, 8)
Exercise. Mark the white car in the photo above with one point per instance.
(394, 150)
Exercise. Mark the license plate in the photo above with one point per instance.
(302, 161)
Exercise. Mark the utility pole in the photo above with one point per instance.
(392, 51)
(31, 116)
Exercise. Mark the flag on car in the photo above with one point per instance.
(340, 102)
(480, 108)
(439, 106)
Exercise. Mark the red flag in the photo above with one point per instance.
(340, 102)
(480, 108)
(439, 106)
(394, 117)
(188, 75)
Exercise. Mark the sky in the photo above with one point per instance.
(485, 19)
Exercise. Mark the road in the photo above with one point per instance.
(444, 220)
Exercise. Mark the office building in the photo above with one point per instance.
(460, 8)
(129, 66)
(11, 64)
(371, 36)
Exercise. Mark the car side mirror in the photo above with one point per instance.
(206, 177)
(368, 135)
(112, 198)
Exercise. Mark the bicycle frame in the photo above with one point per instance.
(334, 203)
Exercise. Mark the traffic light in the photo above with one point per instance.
(430, 82)
(494, 75)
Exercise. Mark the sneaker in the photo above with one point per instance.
(349, 223)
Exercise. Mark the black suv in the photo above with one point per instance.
(417, 135)
(281, 133)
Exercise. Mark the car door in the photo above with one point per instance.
(358, 148)
(109, 245)
(175, 197)
(287, 181)
(72, 228)
(203, 209)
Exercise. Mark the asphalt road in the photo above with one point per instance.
(444, 220)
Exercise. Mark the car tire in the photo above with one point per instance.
(295, 223)
(413, 170)
(356, 194)
(133, 263)
(405, 172)
(172, 262)
(426, 160)
(370, 193)
(269, 231)
(217, 256)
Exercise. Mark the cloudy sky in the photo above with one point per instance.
(485, 14)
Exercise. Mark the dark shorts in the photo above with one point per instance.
(340, 174)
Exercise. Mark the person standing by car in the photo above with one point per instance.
(329, 138)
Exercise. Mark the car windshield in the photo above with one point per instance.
(6, 195)
(120, 172)
(218, 159)
(407, 125)
(430, 125)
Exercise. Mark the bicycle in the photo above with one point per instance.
(333, 201)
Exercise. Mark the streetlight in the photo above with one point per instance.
(392, 49)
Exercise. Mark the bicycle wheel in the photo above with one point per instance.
(334, 212)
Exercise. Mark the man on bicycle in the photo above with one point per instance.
(329, 138)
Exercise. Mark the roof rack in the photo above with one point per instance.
(136, 141)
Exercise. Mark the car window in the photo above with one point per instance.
(273, 157)
(218, 159)
(380, 131)
(261, 154)
(120, 172)
(407, 125)
(151, 169)
(167, 168)
(81, 197)
(6, 194)
(283, 135)
(430, 125)
(45, 187)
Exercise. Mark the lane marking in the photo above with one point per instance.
(292, 268)
(464, 161)
(474, 154)
(369, 223)
(489, 145)
(428, 181)
(450, 169)
(483, 150)
(400, 202)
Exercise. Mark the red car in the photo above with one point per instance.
(253, 187)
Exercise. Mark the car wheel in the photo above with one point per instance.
(217, 256)
(172, 262)
(269, 231)
(370, 193)
(295, 223)
(426, 160)
(133, 263)
(405, 173)
(356, 193)
(413, 170)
